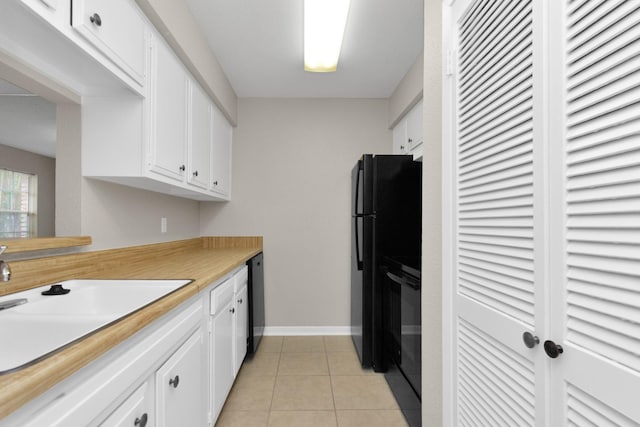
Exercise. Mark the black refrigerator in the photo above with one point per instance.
(386, 221)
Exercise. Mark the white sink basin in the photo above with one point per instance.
(98, 297)
(46, 324)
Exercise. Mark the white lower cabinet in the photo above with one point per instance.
(136, 411)
(179, 386)
(241, 318)
(229, 321)
(222, 375)
(171, 373)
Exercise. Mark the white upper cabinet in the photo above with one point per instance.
(200, 138)
(172, 141)
(117, 29)
(221, 155)
(168, 136)
(407, 134)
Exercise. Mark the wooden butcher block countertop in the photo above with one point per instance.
(204, 260)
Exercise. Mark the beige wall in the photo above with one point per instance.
(432, 218)
(45, 167)
(292, 161)
(407, 93)
(113, 215)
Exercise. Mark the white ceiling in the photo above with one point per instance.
(259, 44)
(27, 122)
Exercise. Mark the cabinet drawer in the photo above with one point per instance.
(240, 279)
(137, 410)
(117, 29)
(222, 295)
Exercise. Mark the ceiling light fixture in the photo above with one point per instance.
(324, 22)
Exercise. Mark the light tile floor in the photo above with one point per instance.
(309, 381)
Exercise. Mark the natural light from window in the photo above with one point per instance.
(18, 206)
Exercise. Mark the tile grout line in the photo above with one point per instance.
(333, 396)
(273, 390)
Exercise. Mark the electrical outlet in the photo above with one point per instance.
(163, 225)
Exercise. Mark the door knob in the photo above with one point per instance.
(552, 349)
(530, 340)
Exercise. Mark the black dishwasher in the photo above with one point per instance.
(256, 302)
(403, 333)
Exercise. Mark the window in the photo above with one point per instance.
(18, 204)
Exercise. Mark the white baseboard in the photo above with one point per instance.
(306, 330)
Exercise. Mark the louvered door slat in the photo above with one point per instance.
(516, 52)
(586, 56)
(614, 234)
(501, 379)
(489, 146)
(496, 28)
(584, 409)
(601, 16)
(479, 199)
(617, 142)
(514, 279)
(496, 89)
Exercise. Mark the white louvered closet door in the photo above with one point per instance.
(543, 236)
(496, 180)
(595, 270)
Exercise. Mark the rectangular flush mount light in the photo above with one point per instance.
(324, 22)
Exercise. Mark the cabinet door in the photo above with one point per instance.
(222, 354)
(116, 28)
(137, 410)
(400, 137)
(414, 128)
(169, 114)
(200, 137)
(180, 386)
(221, 155)
(241, 322)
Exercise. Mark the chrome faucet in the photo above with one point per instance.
(5, 270)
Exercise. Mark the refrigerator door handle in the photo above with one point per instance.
(357, 198)
(359, 262)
